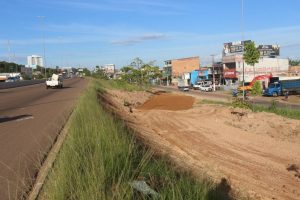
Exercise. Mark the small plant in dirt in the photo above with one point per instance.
(273, 106)
(240, 103)
(257, 88)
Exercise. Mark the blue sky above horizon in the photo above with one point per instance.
(89, 33)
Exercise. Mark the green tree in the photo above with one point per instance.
(86, 71)
(130, 74)
(294, 62)
(150, 72)
(140, 72)
(257, 88)
(137, 63)
(251, 55)
(6, 67)
(126, 69)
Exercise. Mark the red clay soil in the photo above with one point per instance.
(168, 102)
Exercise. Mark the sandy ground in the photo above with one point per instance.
(258, 153)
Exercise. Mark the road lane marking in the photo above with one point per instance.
(25, 118)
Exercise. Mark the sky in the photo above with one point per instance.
(88, 33)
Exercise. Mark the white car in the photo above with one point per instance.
(196, 87)
(206, 88)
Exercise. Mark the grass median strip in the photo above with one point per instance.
(100, 159)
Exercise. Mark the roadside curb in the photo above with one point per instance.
(51, 157)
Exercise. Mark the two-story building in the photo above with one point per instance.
(235, 68)
(176, 68)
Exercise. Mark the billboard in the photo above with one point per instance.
(229, 73)
(234, 47)
(268, 50)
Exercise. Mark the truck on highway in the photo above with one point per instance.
(283, 86)
(55, 81)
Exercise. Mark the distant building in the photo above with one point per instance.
(294, 70)
(27, 71)
(108, 68)
(35, 60)
(177, 68)
(269, 62)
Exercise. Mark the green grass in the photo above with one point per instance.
(285, 112)
(122, 85)
(100, 158)
(273, 108)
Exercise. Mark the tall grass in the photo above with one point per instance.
(100, 158)
(273, 108)
(122, 84)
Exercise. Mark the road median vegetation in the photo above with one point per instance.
(102, 159)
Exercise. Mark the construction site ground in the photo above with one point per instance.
(257, 153)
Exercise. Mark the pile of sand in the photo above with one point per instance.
(166, 101)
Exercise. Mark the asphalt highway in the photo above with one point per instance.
(30, 119)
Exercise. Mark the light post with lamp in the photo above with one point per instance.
(243, 48)
(44, 49)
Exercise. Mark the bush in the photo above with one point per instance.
(240, 103)
(257, 88)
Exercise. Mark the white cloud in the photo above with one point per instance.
(139, 39)
(153, 7)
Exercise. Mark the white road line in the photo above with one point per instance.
(25, 118)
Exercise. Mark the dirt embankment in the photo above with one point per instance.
(259, 153)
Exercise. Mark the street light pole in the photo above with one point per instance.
(243, 46)
(213, 70)
(44, 49)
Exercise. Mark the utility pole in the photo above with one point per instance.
(15, 61)
(213, 70)
(8, 46)
(243, 46)
(44, 49)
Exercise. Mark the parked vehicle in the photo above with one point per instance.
(198, 85)
(55, 81)
(183, 84)
(201, 83)
(206, 88)
(12, 79)
(281, 87)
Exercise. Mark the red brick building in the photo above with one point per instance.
(177, 67)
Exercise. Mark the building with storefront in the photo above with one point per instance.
(177, 68)
(269, 62)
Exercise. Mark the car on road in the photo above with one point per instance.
(12, 79)
(55, 81)
(206, 88)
